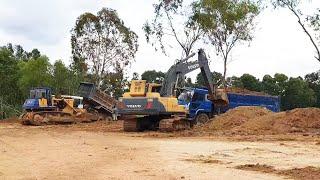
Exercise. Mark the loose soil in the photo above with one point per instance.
(103, 151)
(242, 91)
(244, 143)
(260, 121)
(310, 173)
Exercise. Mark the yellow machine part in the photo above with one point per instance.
(69, 103)
(171, 104)
(43, 102)
(137, 88)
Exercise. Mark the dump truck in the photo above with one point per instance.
(97, 101)
(201, 109)
(151, 106)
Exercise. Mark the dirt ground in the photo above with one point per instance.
(103, 151)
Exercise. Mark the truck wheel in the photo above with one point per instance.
(202, 118)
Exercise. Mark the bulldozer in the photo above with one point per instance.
(151, 106)
(42, 108)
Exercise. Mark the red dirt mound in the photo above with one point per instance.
(260, 121)
(306, 120)
(235, 117)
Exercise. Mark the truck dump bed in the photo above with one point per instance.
(96, 98)
(270, 102)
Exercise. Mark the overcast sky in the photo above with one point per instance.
(279, 44)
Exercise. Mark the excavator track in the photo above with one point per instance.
(137, 124)
(130, 124)
(174, 124)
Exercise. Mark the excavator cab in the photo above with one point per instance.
(140, 88)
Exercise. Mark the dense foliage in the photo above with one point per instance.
(21, 70)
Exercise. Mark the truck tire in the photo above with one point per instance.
(202, 118)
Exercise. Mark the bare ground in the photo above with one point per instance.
(104, 151)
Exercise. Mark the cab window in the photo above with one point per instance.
(198, 97)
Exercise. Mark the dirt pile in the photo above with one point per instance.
(309, 172)
(236, 90)
(305, 120)
(260, 121)
(235, 118)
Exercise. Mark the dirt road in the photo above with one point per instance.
(54, 153)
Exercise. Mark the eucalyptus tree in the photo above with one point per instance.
(226, 23)
(171, 26)
(103, 43)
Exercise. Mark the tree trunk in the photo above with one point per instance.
(224, 72)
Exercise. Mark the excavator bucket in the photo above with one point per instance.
(220, 98)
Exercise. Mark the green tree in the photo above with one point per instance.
(135, 76)
(274, 86)
(189, 83)
(250, 82)
(234, 81)
(103, 42)
(20, 53)
(153, 76)
(61, 78)
(34, 54)
(313, 79)
(297, 94)
(216, 79)
(115, 83)
(269, 85)
(35, 73)
(10, 92)
(226, 23)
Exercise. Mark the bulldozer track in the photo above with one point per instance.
(53, 117)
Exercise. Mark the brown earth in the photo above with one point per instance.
(103, 151)
(234, 118)
(244, 91)
(306, 120)
(310, 173)
(260, 121)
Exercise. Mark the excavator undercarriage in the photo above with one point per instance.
(152, 123)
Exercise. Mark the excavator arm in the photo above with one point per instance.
(178, 71)
(220, 97)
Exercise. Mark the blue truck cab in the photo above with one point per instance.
(201, 109)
